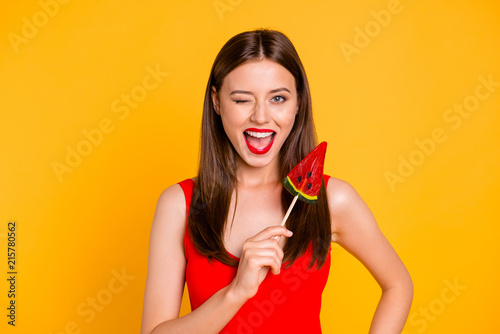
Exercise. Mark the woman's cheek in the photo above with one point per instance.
(287, 117)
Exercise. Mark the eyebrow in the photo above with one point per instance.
(248, 92)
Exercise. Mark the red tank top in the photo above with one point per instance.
(286, 303)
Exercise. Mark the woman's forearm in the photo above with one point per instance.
(392, 310)
(211, 317)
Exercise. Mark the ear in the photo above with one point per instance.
(298, 105)
(215, 100)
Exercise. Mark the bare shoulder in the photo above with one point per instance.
(341, 195)
(170, 213)
(172, 198)
(346, 206)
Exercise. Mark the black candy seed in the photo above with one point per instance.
(299, 179)
(309, 174)
(309, 186)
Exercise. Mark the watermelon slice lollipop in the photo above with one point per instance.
(304, 180)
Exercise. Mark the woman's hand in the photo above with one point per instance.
(259, 254)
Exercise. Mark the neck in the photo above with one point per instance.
(249, 176)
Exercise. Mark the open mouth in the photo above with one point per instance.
(259, 141)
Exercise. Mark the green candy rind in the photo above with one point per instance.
(291, 188)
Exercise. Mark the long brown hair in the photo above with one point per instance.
(217, 168)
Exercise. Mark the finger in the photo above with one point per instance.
(254, 254)
(275, 266)
(267, 261)
(262, 248)
(272, 231)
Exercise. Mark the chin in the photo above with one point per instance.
(257, 161)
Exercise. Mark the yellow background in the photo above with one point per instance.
(74, 235)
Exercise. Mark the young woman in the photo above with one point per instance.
(220, 232)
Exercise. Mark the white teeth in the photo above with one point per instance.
(259, 134)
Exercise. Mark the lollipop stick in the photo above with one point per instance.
(278, 237)
(289, 210)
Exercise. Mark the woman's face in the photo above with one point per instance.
(257, 103)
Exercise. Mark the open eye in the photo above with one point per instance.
(278, 99)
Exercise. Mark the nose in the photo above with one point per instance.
(261, 113)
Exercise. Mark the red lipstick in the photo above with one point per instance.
(247, 134)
